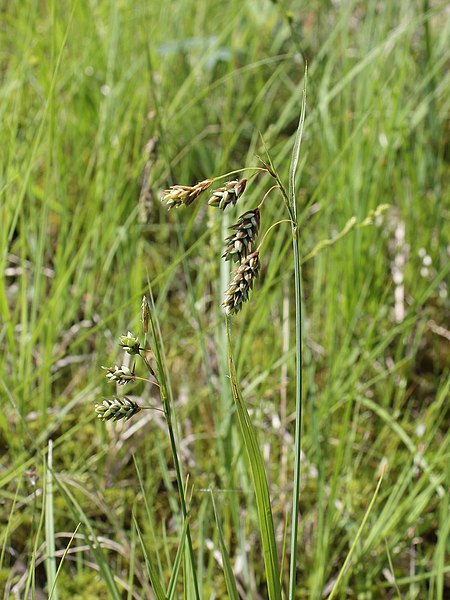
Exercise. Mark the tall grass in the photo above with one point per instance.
(85, 87)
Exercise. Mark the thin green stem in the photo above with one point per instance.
(298, 411)
(173, 446)
(256, 169)
(270, 228)
(136, 378)
(343, 570)
(291, 207)
(148, 365)
(291, 203)
(274, 187)
(298, 386)
(183, 501)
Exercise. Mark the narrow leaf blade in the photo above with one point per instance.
(260, 484)
(151, 571)
(227, 568)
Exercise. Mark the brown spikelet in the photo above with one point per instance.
(117, 408)
(145, 314)
(177, 195)
(241, 284)
(240, 243)
(228, 194)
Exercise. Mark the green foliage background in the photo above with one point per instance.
(103, 104)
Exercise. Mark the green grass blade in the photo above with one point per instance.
(31, 579)
(355, 541)
(165, 399)
(441, 545)
(391, 567)
(151, 571)
(50, 563)
(177, 563)
(227, 568)
(51, 595)
(92, 541)
(298, 350)
(260, 484)
(149, 516)
(296, 150)
(6, 533)
(78, 513)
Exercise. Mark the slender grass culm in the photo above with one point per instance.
(240, 248)
(124, 408)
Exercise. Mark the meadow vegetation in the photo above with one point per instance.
(103, 106)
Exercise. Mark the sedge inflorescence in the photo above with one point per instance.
(114, 409)
(123, 407)
(240, 246)
(241, 283)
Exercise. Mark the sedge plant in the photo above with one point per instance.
(124, 407)
(241, 248)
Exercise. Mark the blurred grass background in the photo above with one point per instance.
(104, 104)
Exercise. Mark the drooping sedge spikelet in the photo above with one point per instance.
(145, 314)
(121, 375)
(241, 284)
(240, 244)
(177, 195)
(117, 408)
(129, 343)
(228, 194)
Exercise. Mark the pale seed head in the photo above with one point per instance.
(178, 195)
(129, 343)
(121, 375)
(117, 408)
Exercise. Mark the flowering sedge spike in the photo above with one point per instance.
(129, 343)
(122, 375)
(241, 284)
(178, 195)
(240, 243)
(116, 409)
(228, 194)
(145, 314)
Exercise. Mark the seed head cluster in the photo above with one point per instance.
(121, 375)
(129, 343)
(115, 409)
(179, 195)
(239, 246)
(240, 243)
(241, 284)
(228, 194)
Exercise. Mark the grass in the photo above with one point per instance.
(97, 98)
